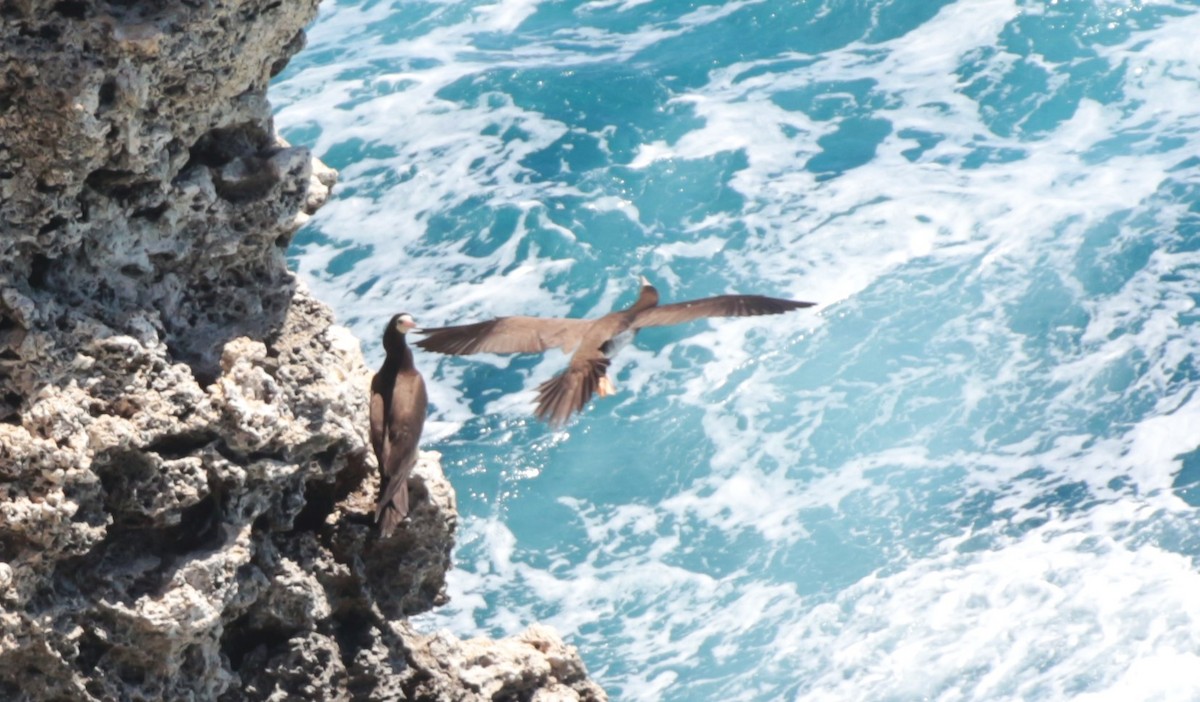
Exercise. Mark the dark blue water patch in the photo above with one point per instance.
(1005, 97)
(551, 534)
(593, 97)
(362, 289)
(305, 133)
(828, 100)
(672, 193)
(837, 552)
(312, 57)
(1187, 480)
(487, 241)
(558, 21)
(569, 159)
(983, 155)
(925, 141)
(345, 261)
(1100, 81)
(782, 66)
(1065, 497)
(1138, 139)
(479, 228)
(1043, 33)
(1092, 79)
(602, 236)
(603, 461)
(896, 19)
(1191, 163)
(755, 32)
(1046, 304)
(1043, 88)
(415, 19)
(355, 150)
(371, 89)
(1110, 254)
(853, 144)
(374, 183)
(453, 224)
(309, 235)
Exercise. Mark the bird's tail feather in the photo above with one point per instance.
(568, 392)
(393, 506)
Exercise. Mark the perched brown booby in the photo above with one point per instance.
(398, 404)
(593, 341)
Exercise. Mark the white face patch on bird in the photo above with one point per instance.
(405, 322)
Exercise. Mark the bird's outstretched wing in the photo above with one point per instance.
(719, 306)
(506, 335)
(567, 392)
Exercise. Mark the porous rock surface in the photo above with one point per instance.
(185, 484)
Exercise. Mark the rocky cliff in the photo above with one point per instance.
(186, 485)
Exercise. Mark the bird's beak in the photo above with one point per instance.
(645, 281)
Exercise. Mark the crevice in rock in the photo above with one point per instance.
(290, 49)
(71, 9)
(199, 527)
(321, 496)
(107, 95)
(245, 179)
(173, 446)
(238, 458)
(10, 409)
(120, 185)
(91, 649)
(39, 270)
(244, 636)
(318, 504)
(54, 224)
(152, 213)
(123, 475)
(353, 631)
(224, 144)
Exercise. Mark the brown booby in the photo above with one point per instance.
(593, 341)
(398, 404)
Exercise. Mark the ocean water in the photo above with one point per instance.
(971, 473)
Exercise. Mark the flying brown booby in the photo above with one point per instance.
(398, 404)
(593, 341)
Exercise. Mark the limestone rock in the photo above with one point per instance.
(186, 487)
(534, 665)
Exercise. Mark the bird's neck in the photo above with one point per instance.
(399, 355)
(646, 299)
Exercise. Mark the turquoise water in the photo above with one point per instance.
(971, 473)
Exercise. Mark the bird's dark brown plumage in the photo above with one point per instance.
(398, 407)
(590, 340)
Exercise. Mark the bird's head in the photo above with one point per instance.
(403, 322)
(647, 297)
(397, 327)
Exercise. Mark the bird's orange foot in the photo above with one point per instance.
(605, 387)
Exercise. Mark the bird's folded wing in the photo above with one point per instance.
(506, 335)
(377, 428)
(720, 306)
(570, 390)
(409, 406)
(393, 505)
